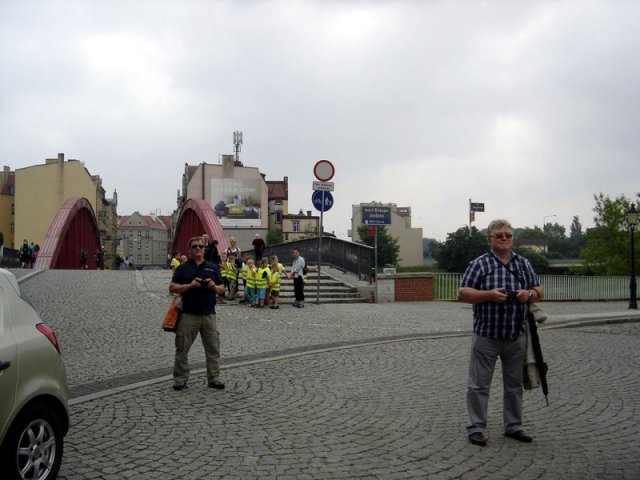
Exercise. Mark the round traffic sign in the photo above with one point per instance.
(322, 200)
(324, 170)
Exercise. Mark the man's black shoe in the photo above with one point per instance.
(218, 384)
(520, 436)
(478, 439)
(179, 385)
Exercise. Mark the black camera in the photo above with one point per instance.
(511, 295)
(204, 282)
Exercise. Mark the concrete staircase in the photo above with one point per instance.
(332, 290)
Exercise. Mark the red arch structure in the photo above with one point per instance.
(197, 217)
(73, 229)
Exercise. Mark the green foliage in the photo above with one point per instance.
(429, 246)
(607, 248)
(539, 262)
(275, 236)
(310, 232)
(460, 248)
(388, 247)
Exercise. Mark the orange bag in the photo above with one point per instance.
(172, 315)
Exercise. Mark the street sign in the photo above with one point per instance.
(376, 215)
(323, 186)
(476, 207)
(371, 230)
(324, 170)
(323, 201)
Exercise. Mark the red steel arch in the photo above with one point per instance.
(197, 217)
(73, 229)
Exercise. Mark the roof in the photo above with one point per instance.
(150, 221)
(278, 190)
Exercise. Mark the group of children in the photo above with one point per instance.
(261, 279)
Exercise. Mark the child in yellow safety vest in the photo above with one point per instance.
(231, 276)
(262, 280)
(275, 277)
(249, 275)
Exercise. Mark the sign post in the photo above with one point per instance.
(322, 199)
(374, 216)
(473, 208)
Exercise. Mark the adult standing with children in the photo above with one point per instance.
(499, 285)
(198, 282)
(298, 268)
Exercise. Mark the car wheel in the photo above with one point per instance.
(33, 446)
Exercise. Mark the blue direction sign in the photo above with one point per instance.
(322, 200)
(376, 215)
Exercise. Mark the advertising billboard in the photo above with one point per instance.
(237, 201)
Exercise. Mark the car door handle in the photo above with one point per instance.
(4, 365)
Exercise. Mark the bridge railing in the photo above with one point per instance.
(556, 287)
(341, 254)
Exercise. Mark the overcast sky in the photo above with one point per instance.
(529, 107)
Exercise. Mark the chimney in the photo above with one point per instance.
(308, 213)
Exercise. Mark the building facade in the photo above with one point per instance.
(409, 239)
(40, 190)
(146, 238)
(239, 196)
(7, 207)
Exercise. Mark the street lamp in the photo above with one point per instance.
(632, 221)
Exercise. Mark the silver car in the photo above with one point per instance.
(34, 415)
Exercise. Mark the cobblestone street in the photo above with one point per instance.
(329, 391)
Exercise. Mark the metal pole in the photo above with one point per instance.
(375, 262)
(469, 218)
(633, 304)
(319, 251)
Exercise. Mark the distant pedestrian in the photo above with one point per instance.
(258, 247)
(298, 271)
(499, 285)
(25, 254)
(211, 253)
(83, 259)
(175, 261)
(198, 282)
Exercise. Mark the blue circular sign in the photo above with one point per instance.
(322, 200)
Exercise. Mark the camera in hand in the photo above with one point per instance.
(203, 282)
(511, 295)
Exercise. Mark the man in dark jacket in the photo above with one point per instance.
(198, 282)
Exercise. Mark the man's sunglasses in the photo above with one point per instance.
(197, 246)
(502, 236)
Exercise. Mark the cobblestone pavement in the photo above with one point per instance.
(329, 391)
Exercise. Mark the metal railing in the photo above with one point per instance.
(9, 258)
(341, 254)
(556, 287)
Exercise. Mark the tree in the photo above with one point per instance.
(607, 245)
(460, 248)
(576, 228)
(275, 236)
(429, 246)
(388, 247)
(310, 231)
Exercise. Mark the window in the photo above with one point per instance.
(296, 225)
(13, 209)
(278, 217)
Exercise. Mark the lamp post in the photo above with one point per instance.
(632, 221)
